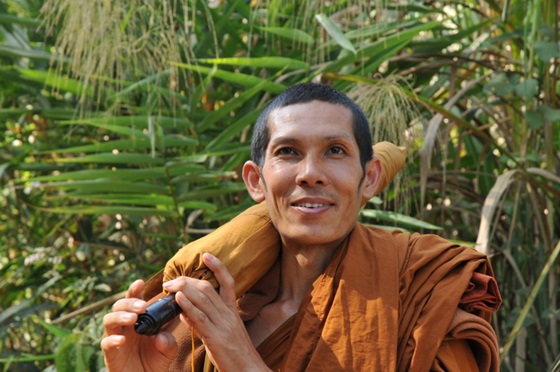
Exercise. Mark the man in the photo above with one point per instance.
(334, 294)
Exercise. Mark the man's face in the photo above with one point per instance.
(311, 178)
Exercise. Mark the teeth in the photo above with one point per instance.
(310, 205)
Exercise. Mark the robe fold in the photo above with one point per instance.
(388, 301)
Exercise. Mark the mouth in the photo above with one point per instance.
(311, 205)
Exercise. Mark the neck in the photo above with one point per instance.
(300, 268)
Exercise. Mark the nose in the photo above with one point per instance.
(311, 172)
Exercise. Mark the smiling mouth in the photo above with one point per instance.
(311, 205)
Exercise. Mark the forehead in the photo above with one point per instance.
(311, 118)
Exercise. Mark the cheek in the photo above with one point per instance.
(348, 177)
(279, 177)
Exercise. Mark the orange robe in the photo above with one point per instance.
(388, 301)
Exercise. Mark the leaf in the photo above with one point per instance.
(127, 131)
(534, 119)
(8, 19)
(141, 143)
(232, 130)
(549, 113)
(14, 309)
(290, 34)
(528, 88)
(207, 176)
(260, 62)
(130, 199)
(12, 51)
(544, 173)
(136, 121)
(73, 354)
(237, 78)
(231, 105)
(491, 204)
(198, 204)
(112, 210)
(44, 77)
(500, 85)
(398, 219)
(232, 148)
(103, 185)
(210, 191)
(376, 30)
(377, 48)
(547, 50)
(549, 265)
(92, 174)
(335, 32)
(57, 331)
(110, 158)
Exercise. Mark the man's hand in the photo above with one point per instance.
(215, 318)
(123, 348)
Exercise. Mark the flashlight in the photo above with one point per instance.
(156, 315)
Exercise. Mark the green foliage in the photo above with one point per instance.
(130, 144)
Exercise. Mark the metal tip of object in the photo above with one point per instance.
(144, 328)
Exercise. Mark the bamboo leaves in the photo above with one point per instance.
(335, 32)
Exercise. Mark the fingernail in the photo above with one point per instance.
(128, 317)
(138, 305)
(209, 256)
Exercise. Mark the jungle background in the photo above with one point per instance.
(124, 124)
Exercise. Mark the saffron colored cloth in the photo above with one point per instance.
(388, 301)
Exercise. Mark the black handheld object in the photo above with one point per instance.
(156, 315)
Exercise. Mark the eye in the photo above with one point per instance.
(336, 150)
(285, 151)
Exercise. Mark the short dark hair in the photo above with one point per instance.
(307, 92)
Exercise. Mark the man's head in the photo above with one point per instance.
(312, 171)
(303, 93)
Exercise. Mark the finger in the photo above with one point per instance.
(111, 342)
(192, 315)
(135, 289)
(165, 343)
(132, 305)
(224, 278)
(200, 293)
(204, 306)
(115, 321)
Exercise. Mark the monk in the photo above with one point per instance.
(296, 283)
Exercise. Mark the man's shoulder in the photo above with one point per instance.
(414, 249)
(423, 243)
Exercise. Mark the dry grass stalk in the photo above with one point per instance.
(389, 110)
(109, 43)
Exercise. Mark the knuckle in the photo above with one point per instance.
(205, 286)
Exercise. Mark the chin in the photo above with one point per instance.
(314, 237)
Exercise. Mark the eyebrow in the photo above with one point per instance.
(295, 140)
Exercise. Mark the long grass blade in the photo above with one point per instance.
(530, 300)
(335, 32)
(298, 36)
(491, 204)
(259, 62)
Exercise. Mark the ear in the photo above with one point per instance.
(252, 178)
(374, 171)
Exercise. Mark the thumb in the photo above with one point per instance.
(166, 345)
